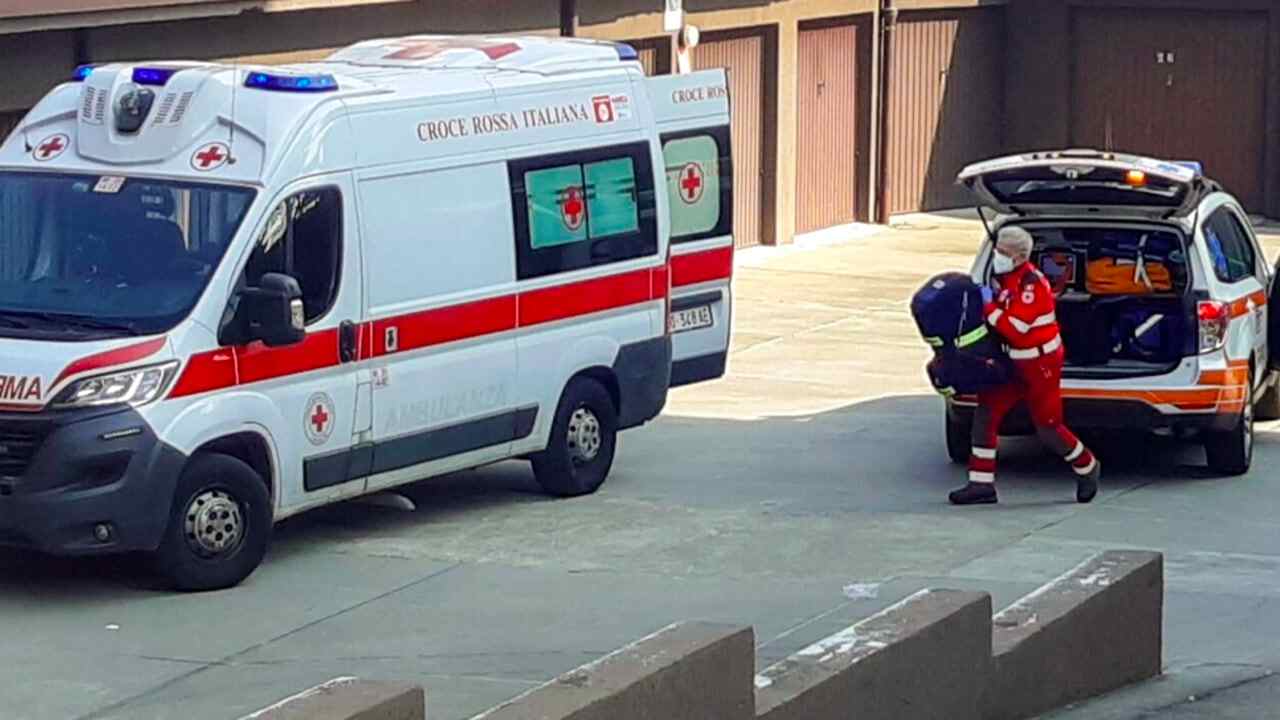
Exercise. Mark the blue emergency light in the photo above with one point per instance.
(291, 83)
(82, 73)
(153, 76)
(626, 52)
(1192, 164)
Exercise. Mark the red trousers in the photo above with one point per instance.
(1039, 385)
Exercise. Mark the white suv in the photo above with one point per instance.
(1162, 296)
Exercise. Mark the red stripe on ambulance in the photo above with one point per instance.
(111, 358)
(701, 267)
(223, 368)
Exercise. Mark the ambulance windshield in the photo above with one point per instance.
(104, 256)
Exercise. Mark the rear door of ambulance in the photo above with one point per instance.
(692, 115)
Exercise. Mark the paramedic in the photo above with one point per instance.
(1021, 309)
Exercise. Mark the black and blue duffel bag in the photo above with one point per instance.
(967, 355)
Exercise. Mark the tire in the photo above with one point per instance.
(959, 439)
(1268, 407)
(216, 492)
(583, 440)
(1230, 452)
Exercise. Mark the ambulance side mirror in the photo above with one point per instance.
(272, 312)
(278, 318)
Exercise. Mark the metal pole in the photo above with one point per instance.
(568, 18)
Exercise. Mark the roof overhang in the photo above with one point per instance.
(23, 16)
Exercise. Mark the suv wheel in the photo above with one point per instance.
(1268, 407)
(1230, 452)
(219, 526)
(584, 436)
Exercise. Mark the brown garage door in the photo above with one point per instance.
(655, 55)
(945, 104)
(1184, 85)
(831, 101)
(742, 53)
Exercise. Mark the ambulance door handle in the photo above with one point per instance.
(347, 341)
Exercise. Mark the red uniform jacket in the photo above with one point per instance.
(1023, 310)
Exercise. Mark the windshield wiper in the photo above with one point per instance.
(10, 321)
(86, 322)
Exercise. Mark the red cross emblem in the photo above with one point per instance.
(51, 147)
(691, 183)
(210, 157)
(572, 209)
(319, 419)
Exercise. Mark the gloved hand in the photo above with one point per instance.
(987, 295)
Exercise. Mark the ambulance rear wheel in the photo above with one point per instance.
(219, 525)
(1230, 452)
(959, 439)
(584, 437)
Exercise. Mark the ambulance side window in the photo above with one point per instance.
(303, 239)
(699, 183)
(584, 209)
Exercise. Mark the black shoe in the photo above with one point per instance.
(1087, 485)
(975, 494)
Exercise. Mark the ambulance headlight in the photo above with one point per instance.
(130, 387)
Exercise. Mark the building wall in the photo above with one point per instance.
(307, 35)
(1039, 70)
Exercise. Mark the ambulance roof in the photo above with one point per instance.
(259, 109)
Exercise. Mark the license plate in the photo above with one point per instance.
(691, 319)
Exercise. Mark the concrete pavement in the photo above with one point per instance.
(805, 491)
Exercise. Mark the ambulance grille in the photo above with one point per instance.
(181, 110)
(18, 445)
(93, 108)
(166, 105)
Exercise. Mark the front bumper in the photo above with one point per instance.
(1107, 414)
(68, 473)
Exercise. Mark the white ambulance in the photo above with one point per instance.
(1163, 297)
(229, 294)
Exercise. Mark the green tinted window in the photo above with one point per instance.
(557, 208)
(693, 183)
(611, 197)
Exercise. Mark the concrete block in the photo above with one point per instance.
(1093, 630)
(350, 699)
(926, 657)
(688, 671)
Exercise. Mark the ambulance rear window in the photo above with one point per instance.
(699, 174)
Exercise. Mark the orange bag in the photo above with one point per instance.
(1113, 276)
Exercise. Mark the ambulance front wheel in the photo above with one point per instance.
(584, 437)
(959, 438)
(219, 525)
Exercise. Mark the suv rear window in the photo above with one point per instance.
(1091, 186)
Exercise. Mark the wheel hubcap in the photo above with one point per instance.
(214, 523)
(584, 436)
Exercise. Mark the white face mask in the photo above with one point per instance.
(1002, 264)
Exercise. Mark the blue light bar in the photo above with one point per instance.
(626, 52)
(1192, 164)
(82, 73)
(152, 76)
(291, 83)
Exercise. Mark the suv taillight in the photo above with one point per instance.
(1215, 318)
